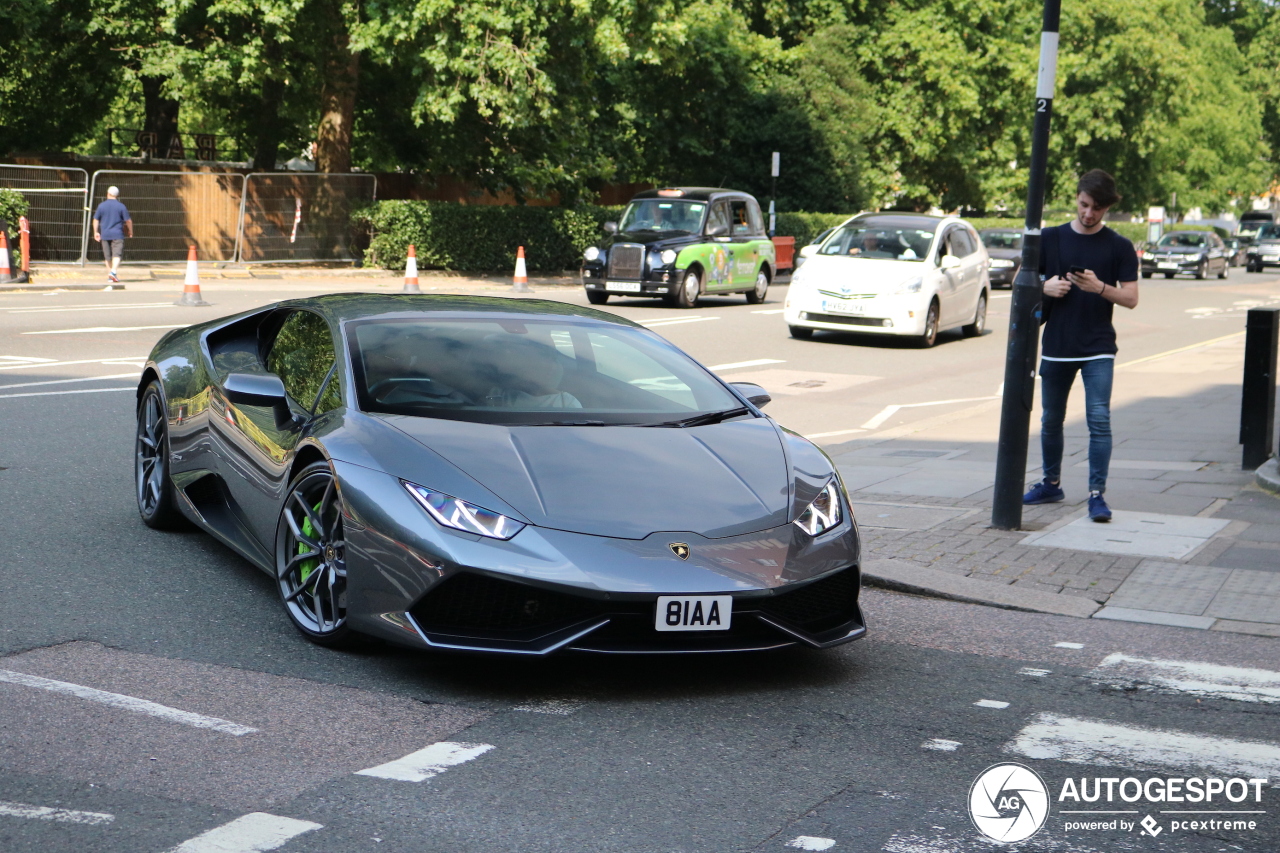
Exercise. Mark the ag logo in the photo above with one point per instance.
(680, 549)
(1008, 802)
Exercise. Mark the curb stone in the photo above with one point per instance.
(901, 576)
(1268, 475)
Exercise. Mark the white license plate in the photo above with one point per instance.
(841, 307)
(1271, 257)
(693, 613)
(624, 286)
(1167, 265)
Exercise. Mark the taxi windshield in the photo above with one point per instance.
(661, 214)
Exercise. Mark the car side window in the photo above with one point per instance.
(302, 356)
(757, 220)
(740, 218)
(962, 243)
(718, 218)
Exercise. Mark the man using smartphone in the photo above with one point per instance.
(1090, 270)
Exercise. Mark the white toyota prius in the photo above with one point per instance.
(892, 274)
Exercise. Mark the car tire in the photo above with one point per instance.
(157, 500)
(979, 324)
(800, 333)
(1146, 274)
(311, 572)
(1168, 275)
(596, 297)
(756, 295)
(1226, 271)
(1202, 271)
(686, 296)
(930, 335)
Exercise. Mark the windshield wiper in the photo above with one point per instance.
(568, 423)
(705, 418)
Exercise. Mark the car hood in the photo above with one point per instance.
(652, 239)
(628, 482)
(1005, 254)
(854, 275)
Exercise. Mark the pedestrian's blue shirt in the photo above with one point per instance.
(111, 216)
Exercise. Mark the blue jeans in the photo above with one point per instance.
(1056, 378)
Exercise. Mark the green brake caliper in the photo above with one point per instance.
(306, 567)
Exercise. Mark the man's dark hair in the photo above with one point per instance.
(1099, 186)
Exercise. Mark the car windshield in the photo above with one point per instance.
(1269, 232)
(1002, 239)
(544, 372)
(1184, 240)
(872, 239)
(661, 214)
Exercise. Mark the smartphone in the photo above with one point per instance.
(1076, 270)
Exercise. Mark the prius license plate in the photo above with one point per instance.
(693, 613)
(624, 286)
(839, 306)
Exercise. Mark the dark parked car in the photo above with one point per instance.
(496, 475)
(1004, 246)
(1265, 249)
(1237, 252)
(1201, 253)
(1251, 222)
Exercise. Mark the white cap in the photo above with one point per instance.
(112, 192)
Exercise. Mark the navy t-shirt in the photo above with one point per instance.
(111, 216)
(1078, 325)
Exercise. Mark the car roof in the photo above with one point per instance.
(902, 219)
(690, 193)
(341, 307)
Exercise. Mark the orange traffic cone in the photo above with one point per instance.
(191, 285)
(411, 272)
(521, 282)
(5, 272)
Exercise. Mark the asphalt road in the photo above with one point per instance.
(153, 696)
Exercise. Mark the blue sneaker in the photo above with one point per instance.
(1098, 509)
(1043, 493)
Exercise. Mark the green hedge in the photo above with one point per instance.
(476, 238)
(806, 226)
(12, 205)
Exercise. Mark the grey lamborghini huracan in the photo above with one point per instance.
(496, 475)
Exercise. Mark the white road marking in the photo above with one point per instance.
(991, 703)
(941, 745)
(753, 363)
(771, 311)
(44, 362)
(24, 359)
(810, 842)
(426, 763)
(89, 308)
(555, 707)
(64, 381)
(1197, 679)
(94, 329)
(253, 833)
(60, 393)
(889, 411)
(1068, 645)
(58, 815)
(1110, 744)
(1030, 670)
(127, 703)
(655, 324)
(831, 434)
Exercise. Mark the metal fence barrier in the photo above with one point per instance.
(172, 211)
(291, 217)
(57, 198)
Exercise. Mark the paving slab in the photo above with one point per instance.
(904, 516)
(1134, 533)
(1248, 596)
(1155, 617)
(1256, 558)
(929, 483)
(861, 476)
(1170, 588)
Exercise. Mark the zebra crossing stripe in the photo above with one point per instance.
(253, 833)
(1202, 680)
(1080, 741)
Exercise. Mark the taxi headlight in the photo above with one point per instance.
(456, 513)
(823, 513)
(669, 257)
(591, 254)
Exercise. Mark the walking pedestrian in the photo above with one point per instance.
(1090, 270)
(111, 225)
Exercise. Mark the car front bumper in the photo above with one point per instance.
(1176, 266)
(902, 314)
(657, 282)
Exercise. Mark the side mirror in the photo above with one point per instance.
(611, 227)
(260, 389)
(949, 262)
(754, 393)
(809, 251)
(720, 230)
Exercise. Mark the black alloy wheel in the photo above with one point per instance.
(156, 501)
(311, 567)
(755, 296)
(930, 335)
(597, 297)
(979, 324)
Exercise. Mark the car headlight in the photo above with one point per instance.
(591, 254)
(668, 257)
(460, 515)
(1001, 264)
(911, 285)
(1148, 256)
(823, 513)
(796, 276)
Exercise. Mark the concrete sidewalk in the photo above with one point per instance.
(1194, 541)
